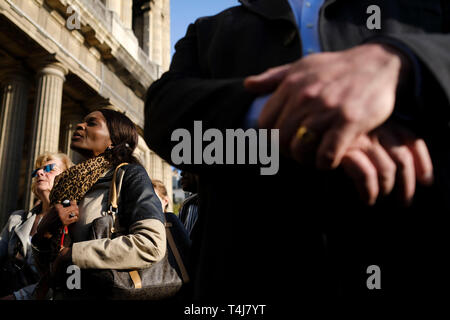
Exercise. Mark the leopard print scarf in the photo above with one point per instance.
(73, 183)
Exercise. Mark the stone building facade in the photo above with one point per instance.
(60, 59)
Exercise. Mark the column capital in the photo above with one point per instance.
(13, 70)
(54, 68)
(48, 65)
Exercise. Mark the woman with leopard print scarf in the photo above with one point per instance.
(106, 138)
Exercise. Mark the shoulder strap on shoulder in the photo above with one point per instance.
(113, 194)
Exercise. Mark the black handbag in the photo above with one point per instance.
(162, 280)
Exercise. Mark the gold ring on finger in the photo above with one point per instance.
(304, 135)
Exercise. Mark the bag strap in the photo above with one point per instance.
(113, 196)
(176, 253)
(113, 188)
(134, 275)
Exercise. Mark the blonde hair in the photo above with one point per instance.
(160, 188)
(49, 156)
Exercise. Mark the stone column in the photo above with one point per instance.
(127, 13)
(155, 166)
(167, 170)
(47, 112)
(165, 36)
(142, 152)
(152, 30)
(69, 121)
(148, 164)
(156, 31)
(15, 88)
(159, 167)
(151, 165)
(147, 29)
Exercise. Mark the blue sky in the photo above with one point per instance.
(184, 12)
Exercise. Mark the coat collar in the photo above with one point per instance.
(23, 231)
(272, 10)
(275, 9)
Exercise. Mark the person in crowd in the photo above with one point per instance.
(19, 272)
(368, 102)
(161, 192)
(106, 138)
(178, 231)
(189, 209)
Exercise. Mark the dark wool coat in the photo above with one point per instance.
(305, 232)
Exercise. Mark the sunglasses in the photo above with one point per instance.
(46, 168)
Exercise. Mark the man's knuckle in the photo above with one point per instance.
(328, 101)
(291, 80)
(309, 92)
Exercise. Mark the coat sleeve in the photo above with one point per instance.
(4, 238)
(187, 93)
(143, 246)
(14, 219)
(432, 51)
(145, 242)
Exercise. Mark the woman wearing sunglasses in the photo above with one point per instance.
(107, 139)
(19, 271)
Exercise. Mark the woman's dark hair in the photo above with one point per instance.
(123, 135)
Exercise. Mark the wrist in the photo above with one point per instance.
(406, 65)
(397, 58)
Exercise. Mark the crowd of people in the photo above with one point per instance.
(33, 254)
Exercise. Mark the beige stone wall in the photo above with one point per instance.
(156, 167)
(63, 72)
(166, 57)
